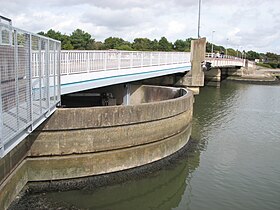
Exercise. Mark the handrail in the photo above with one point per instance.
(26, 101)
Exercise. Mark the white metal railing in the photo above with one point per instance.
(28, 93)
(224, 60)
(75, 62)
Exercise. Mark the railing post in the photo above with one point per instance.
(67, 62)
(16, 77)
(131, 59)
(119, 60)
(105, 60)
(0, 32)
(30, 82)
(48, 74)
(1, 123)
(59, 75)
(87, 62)
(142, 57)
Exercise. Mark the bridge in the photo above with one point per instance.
(35, 73)
(81, 142)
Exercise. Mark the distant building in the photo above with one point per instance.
(257, 60)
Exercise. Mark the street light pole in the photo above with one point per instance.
(226, 47)
(198, 27)
(212, 49)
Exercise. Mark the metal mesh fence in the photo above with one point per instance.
(29, 78)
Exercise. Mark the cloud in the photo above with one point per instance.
(252, 24)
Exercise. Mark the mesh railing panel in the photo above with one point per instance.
(29, 78)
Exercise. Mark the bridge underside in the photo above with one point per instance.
(215, 75)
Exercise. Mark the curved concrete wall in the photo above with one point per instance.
(79, 142)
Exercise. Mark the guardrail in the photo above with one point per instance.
(225, 60)
(28, 94)
(74, 62)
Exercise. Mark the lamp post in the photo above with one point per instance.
(198, 27)
(226, 47)
(212, 49)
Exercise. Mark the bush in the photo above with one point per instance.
(273, 65)
(265, 65)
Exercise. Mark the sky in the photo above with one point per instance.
(238, 24)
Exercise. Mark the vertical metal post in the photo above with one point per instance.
(1, 122)
(30, 82)
(10, 33)
(0, 32)
(54, 71)
(67, 63)
(105, 60)
(16, 77)
(212, 48)
(119, 59)
(142, 57)
(87, 62)
(198, 27)
(131, 59)
(48, 73)
(126, 97)
(40, 73)
(59, 75)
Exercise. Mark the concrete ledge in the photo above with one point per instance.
(108, 138)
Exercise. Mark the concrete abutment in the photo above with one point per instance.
(81, 142)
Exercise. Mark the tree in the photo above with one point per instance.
(180, 45)
(80, 39)
(164, 45)
(124, 47)
(67, 46)
(142, 44)
(154, 45)
(114, 43)
(252, 55)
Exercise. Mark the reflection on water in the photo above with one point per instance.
(233, 162)
(163, 190)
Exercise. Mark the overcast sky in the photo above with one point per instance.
(247, 24)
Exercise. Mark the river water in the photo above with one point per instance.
(233, 162)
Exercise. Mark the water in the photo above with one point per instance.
(234, 162)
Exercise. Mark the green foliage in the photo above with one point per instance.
(142, 44)
(124, 47)
(265, 65)
(80, 39)
(252, 55)
(154, 45)
(67, 45)
(113, 43)
(181, 45)
(164, 45)
(231, 52)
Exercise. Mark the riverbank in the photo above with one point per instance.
(262, 76)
